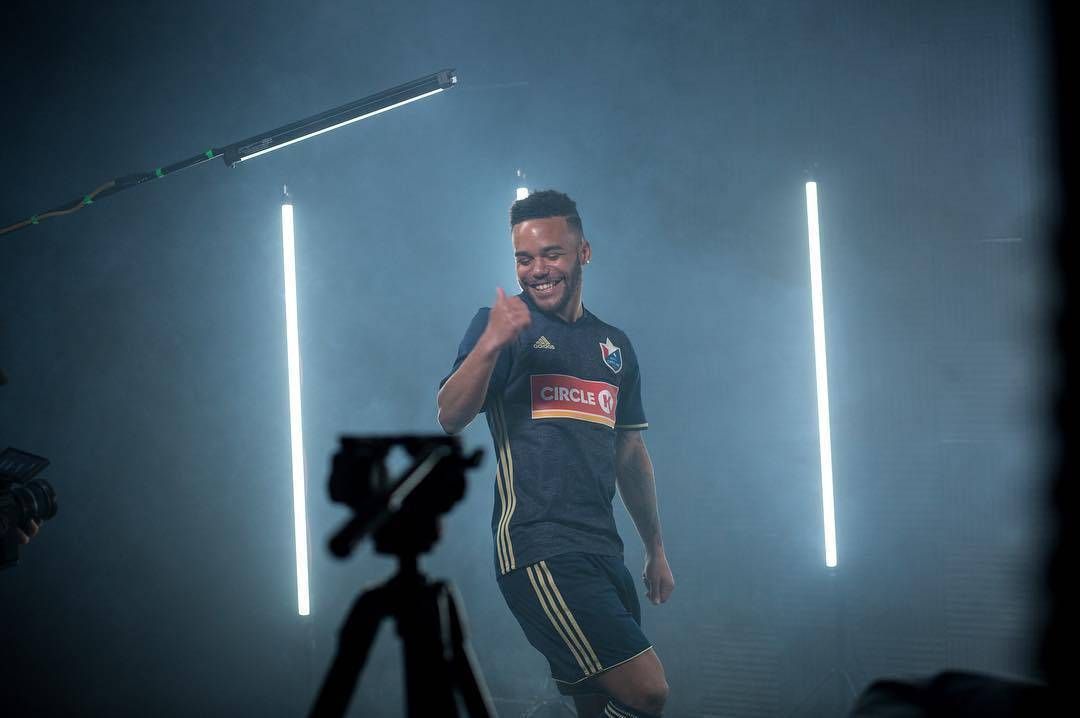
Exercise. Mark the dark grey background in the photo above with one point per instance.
(144, 336)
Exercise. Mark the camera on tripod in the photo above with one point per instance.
(401, 513)
(23, 498)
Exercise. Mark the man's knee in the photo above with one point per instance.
(648, 697)
(639, 684)
(653, 696)
(645, 701)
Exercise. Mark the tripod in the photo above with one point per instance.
(439, 665)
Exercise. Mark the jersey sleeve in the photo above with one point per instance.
(468, 343)
(630, 413)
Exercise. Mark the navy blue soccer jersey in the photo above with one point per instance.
(556, 398)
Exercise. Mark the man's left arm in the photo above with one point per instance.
(637, 486)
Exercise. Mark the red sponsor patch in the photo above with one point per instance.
(558, 396)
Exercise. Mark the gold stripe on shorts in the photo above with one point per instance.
(560, 625)
(591, 654)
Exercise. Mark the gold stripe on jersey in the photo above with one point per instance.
(499, 550)
(591, 654)
(513, 494)
(501, 478)
(499, 546)
(545, 599)
(571, 414)
(501, 435)
(503, 447)
(631, 426)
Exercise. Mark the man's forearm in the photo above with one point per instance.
(637, 486)
(463, 394)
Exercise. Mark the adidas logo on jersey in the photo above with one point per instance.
(543, 343)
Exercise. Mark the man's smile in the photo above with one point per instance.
(545, 287)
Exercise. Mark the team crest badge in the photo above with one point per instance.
(612, 356)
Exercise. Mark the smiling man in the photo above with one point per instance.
(561, 391)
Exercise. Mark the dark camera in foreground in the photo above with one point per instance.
(23, 499)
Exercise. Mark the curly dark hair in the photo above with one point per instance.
(547, 203)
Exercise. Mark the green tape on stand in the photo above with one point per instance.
(34, 219)
(159, 173)
(210, 154)
(87, 200)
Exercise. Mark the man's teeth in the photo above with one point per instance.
(544, 287)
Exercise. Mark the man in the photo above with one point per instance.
(562, 395)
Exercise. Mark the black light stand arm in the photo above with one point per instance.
(112, 187)
(265, 142)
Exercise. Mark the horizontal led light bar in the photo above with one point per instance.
(822, 374)
(338, 117)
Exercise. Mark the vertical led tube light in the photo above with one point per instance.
(522, 191)
(292, 335)
(822, 374)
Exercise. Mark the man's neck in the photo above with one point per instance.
(572, 312)
(567, 314)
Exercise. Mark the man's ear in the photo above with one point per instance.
(585, 251)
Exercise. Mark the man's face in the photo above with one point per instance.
(549, 256)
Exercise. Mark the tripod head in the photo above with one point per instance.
(401, 513)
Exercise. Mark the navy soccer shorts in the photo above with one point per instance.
(581, 611)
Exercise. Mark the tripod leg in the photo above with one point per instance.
(429, 684)
(354, 643)
(466, 673)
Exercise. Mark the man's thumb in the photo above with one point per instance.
(500, 295)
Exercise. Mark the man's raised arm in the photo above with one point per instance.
(464, 393)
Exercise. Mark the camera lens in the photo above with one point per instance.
(36, 498)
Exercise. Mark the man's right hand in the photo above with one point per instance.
(508, 318)
(462, 396)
